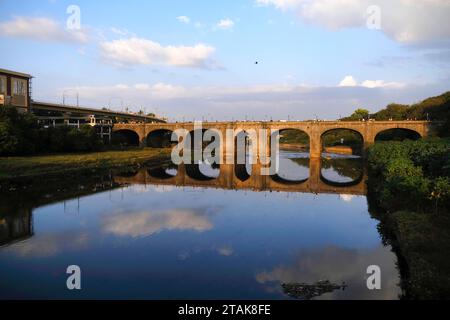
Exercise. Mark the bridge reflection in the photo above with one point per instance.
(16, 227)
(236, 177)
(16, 222)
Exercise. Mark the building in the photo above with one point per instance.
(15, 89)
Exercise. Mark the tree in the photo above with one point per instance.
(9, 142)
(358, 115)
(393, 111)
(20, 134)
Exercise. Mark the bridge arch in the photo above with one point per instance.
(243, 142)
(397, 134)
(159, 138)
(294, 159)
(126, 137)
(197, 171)
(342, 140)
(163, 172)
(350, 171)
(292, 135)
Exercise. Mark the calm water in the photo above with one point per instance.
(160, 234)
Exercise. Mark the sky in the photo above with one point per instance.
(230, 60)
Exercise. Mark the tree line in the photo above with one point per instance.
(20, 134)
(434, 108)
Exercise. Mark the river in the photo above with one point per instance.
(166, 236)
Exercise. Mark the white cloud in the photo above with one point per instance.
(225, 24)
(348, 81)
(121, 32)
(381, 84)
(184, 19)
(41, 29)
(406, 21)
(139, 51)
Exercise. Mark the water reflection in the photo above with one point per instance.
(192, 233)
(17, 225)
(293, 167)
(342, 169)
(142, 224)
(338, 265)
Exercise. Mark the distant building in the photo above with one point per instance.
(15, 89)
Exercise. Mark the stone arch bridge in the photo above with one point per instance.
(368, 130)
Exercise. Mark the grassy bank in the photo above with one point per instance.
(409, 192)
(20, 167)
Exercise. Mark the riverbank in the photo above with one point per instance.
(409, 193)
(26, 167)
(305, 148)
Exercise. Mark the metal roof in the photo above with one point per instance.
(15, 73)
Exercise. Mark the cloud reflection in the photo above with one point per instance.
(346, 197)
(143, 224)
(338, 265)
(225, 251)
(47, 245)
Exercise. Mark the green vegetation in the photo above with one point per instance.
(330, 138)
(347, 167)
(359, 114)
(19, 167)
(434, 108)
(21, 135)
(291, 136)
(409, 192)
(412, 175)
(343, 137)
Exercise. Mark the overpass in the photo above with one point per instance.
(52, 114)
(68, 111)
(367, 130)
(235, 177)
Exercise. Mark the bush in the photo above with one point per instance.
(410, 175)
(21, 135)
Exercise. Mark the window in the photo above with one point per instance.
(19, 87)
(2, 85)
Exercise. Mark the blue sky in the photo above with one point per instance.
(188, 59)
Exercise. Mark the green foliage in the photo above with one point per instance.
(411, 175)
(351, 138)
(359, 114)
(20, 135)
(441, 190)
(9, 142)
(434, 108)
(294, 136)
(393, 111)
